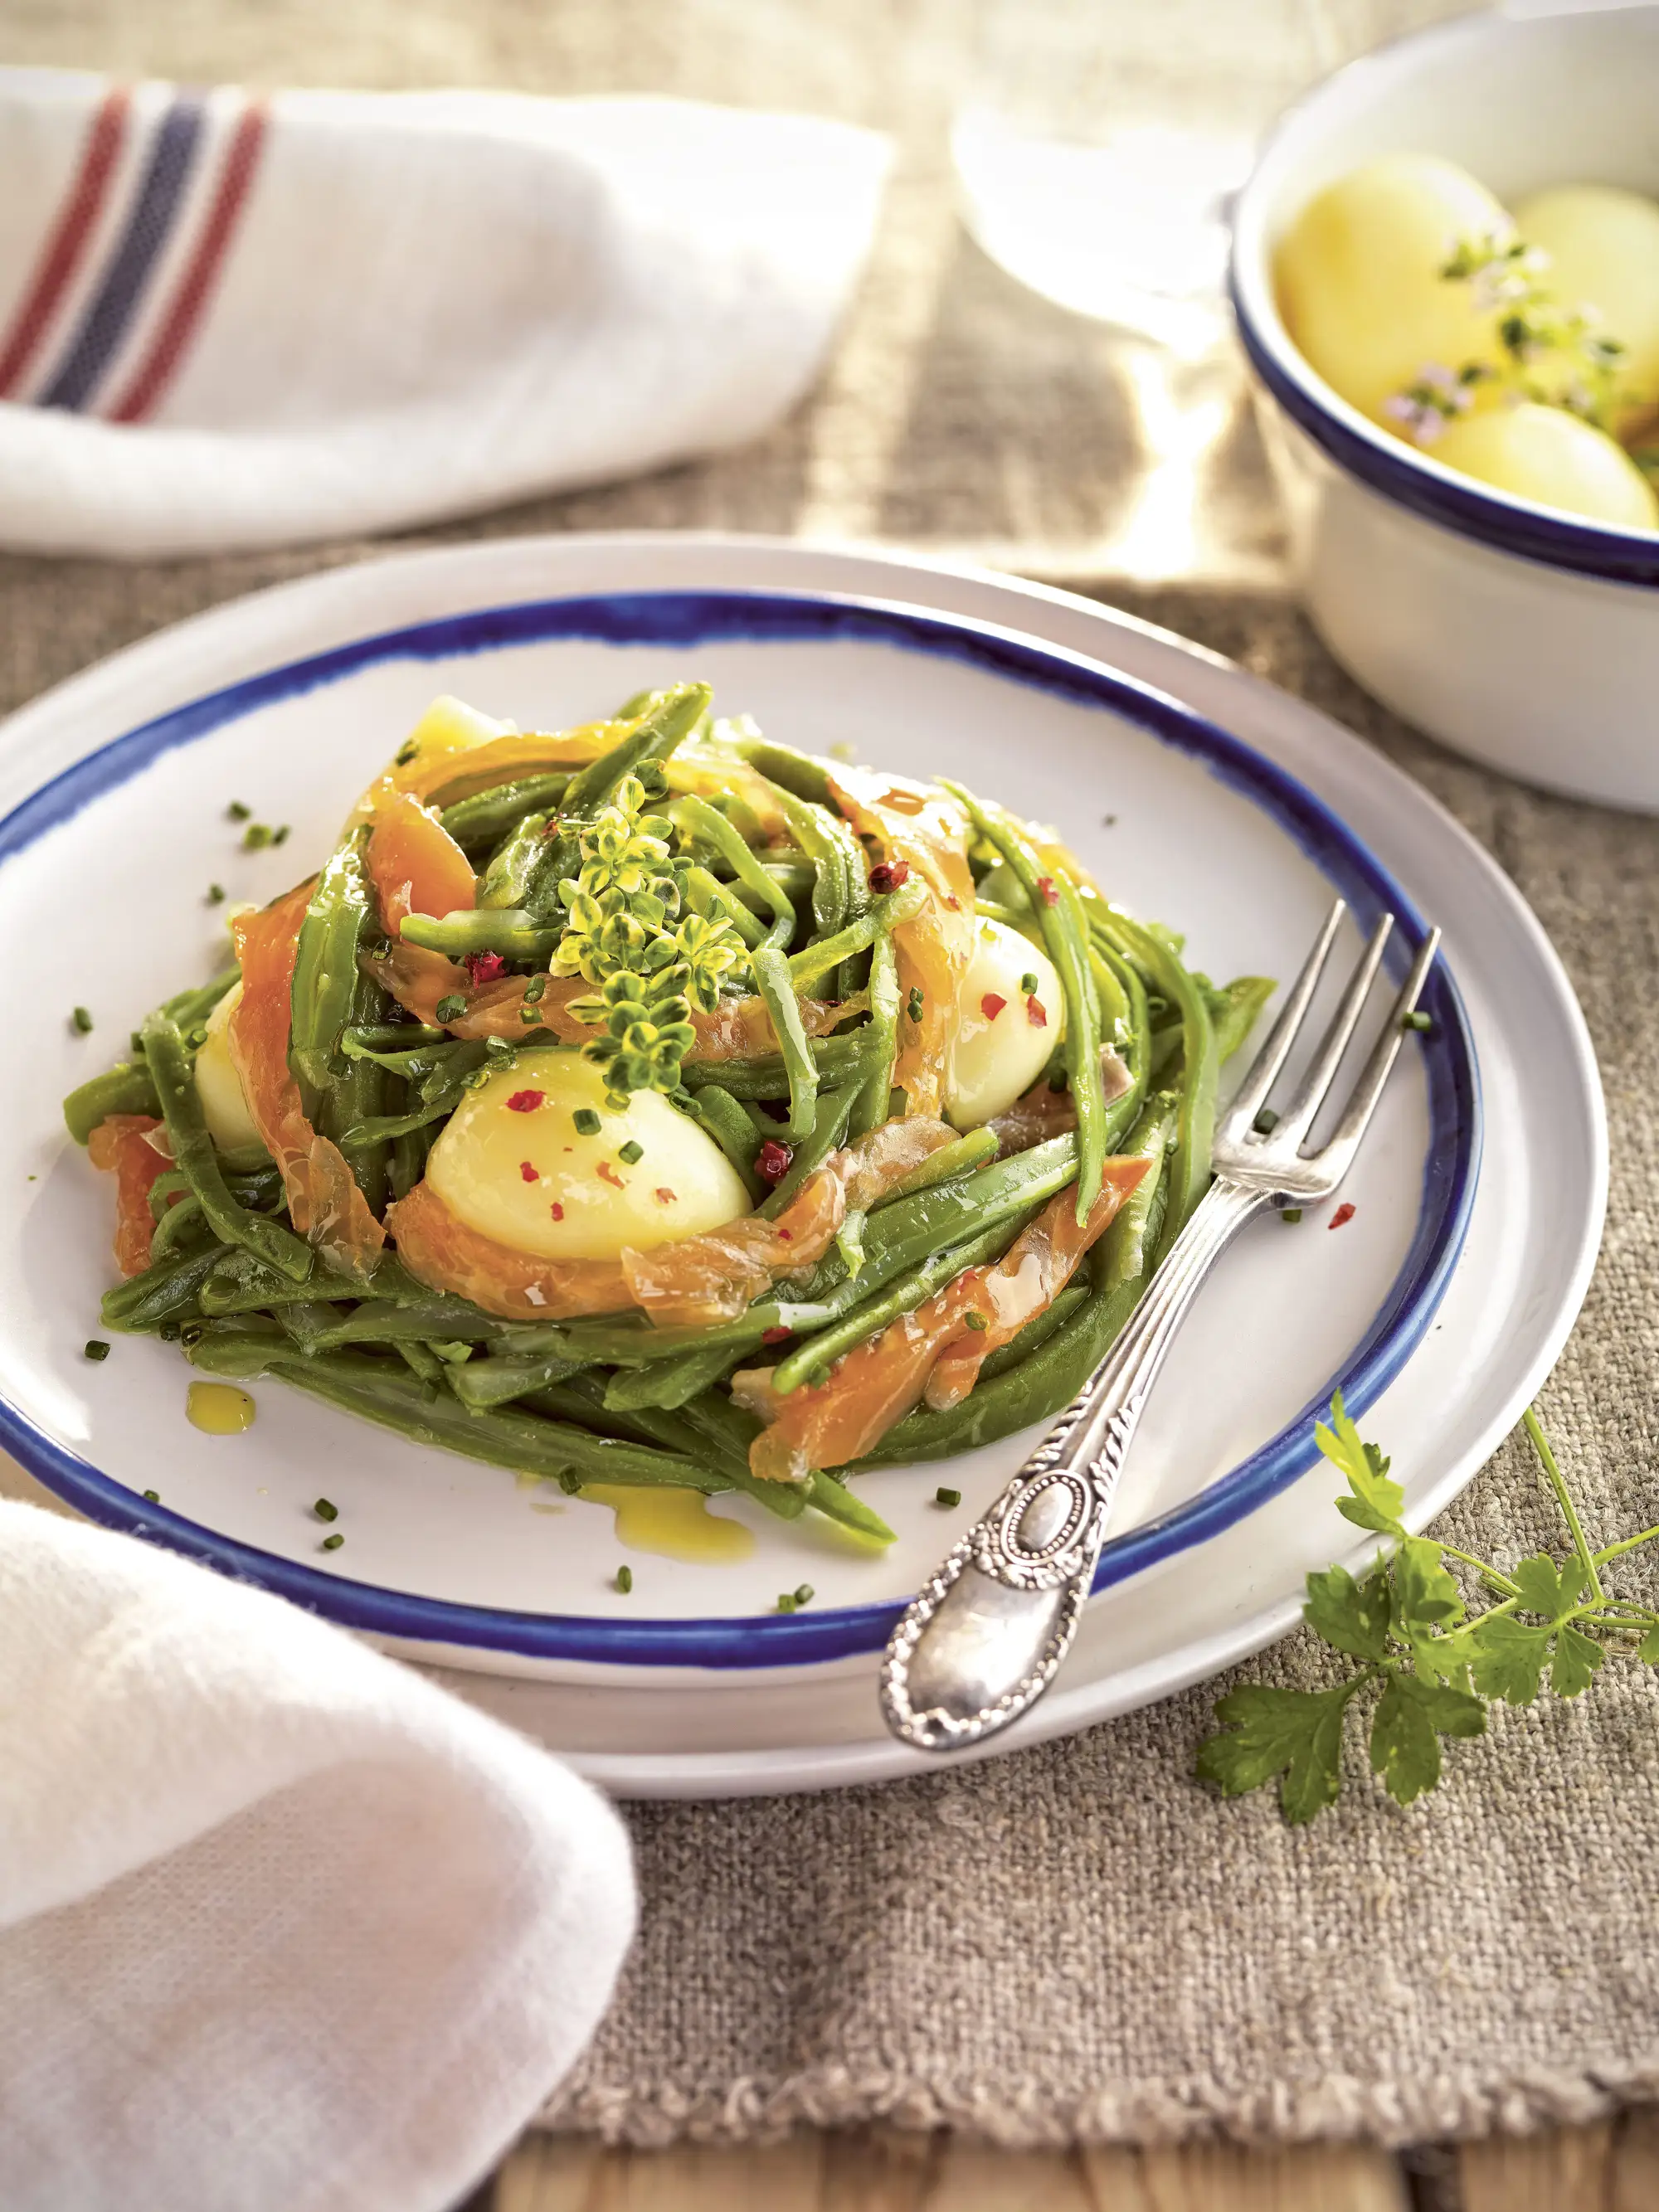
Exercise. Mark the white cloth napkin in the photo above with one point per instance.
(283, 1928)
(229, 320)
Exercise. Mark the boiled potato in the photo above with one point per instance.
(1544, 454)
(512, 1164)
(1603, 249)
(450, 726)
(219, 1086)
(1358, 282)
(1000, 1049)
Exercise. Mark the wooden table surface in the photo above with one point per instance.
(1611, 2167)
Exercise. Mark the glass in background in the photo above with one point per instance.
(1100, 142)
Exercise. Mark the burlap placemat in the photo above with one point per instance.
(1078, 1940)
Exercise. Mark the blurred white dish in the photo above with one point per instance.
(1512, 631)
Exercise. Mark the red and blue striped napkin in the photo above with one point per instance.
(228, 319)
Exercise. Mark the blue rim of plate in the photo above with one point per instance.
(685, 618)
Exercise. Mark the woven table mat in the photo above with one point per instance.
(1077, 1941)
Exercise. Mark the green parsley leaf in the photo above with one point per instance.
(1353, 1616)
(1411, 1718)
(1545, 1588)
(1576, 1658)
(1296, 1733)
(1648, 1648)
(1506, 1657)
(1375, 1502)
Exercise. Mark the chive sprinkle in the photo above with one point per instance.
(633, 1152)
(624, 1579)
(944, 1496)
(586, 1122)
(279, 835)
(1291, 1213)
(786, 1601)
(450, 1009)
(324, 1510)
(534, 989)
(1417, 1019)
(216, 893)
(1028, 984)
(976, 1320)
(914, 1005)
(405, 753)
(333, 1543)
(805, 1593)
(96, 1348)
(152, 1497)
(82, 1019)
(256, 836)
(237, 812)
(1264, 1122)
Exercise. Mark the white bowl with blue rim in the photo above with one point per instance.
(1522, 635)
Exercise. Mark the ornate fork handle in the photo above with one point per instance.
(986, 1635)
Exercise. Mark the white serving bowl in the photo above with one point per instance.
(1512, 631)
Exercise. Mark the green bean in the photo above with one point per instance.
(583, 1400)
(423, 1362)
(423, 1058)
(668, 719)
(491, 814)
(1066, 933)
(835, 1059)
(484, 1382)
(182, 1227)
(794, 878)
(718, 1422)
(360, 1383)
(192, 1152)
(241, 1284)
(835, 1500)
(398, 1037)
(188, 1008)
(1189, 1177)
(167, 1289)
(408, 1163)
(840, 892)
(1036, 1331)
(827, 1133)
(126, 1088)
(1040, 1385)
(455, 1319)
(903, 1296)
(957, 1157)
(308, 1322)
(669, 1383)
(505, 881)
(706, 895)
(716, 1110)
(355, 1097)
(885, 913)
(1241, 1001)
(774, 982)
(326, 976)
(165, 1188)
(800, 772)
(513, 931)
(875, 1098)
(703, 821)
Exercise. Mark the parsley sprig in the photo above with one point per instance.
(1428, 1668)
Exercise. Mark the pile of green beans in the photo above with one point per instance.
(613, 1398)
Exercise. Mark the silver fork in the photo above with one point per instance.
(987, 1635)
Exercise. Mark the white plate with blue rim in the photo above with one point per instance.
(1198, 797)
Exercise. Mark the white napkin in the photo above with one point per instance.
(282, 1927)
(232, 321)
